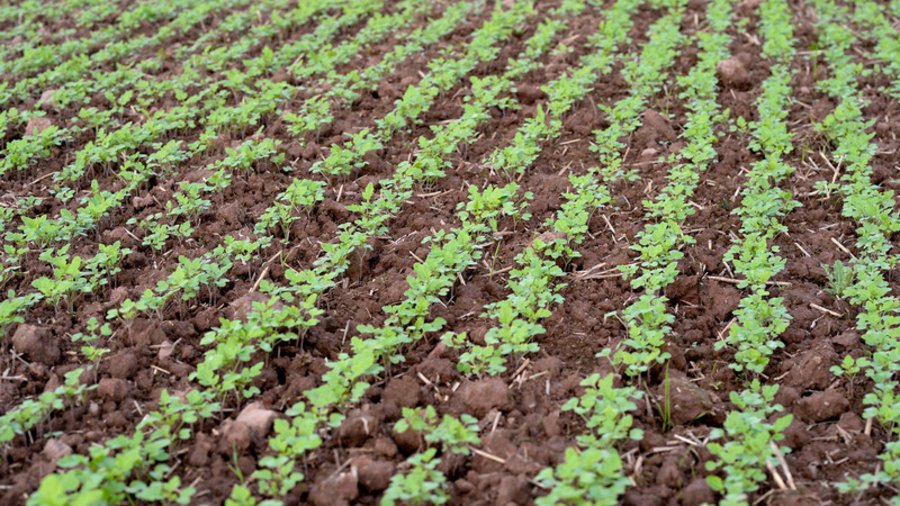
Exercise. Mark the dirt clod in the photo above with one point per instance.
(235, 437)
(654, 130)
(123, 365)
(54, 449)
(697, 492)
(37, 125)
(113, 389)
(733, 73)
(374, 475)
(337, 490)
(810, 369)
(36, 344)
(257, 418)
(357, 428)
(821, 406)
(484, 395)
(404, 392)
(512, 490)
(687, 400)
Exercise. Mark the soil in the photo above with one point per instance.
(523, 428)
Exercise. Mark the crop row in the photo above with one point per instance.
(872, 209)
(872, 17)
(753, 427)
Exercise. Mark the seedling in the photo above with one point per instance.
(840, 278)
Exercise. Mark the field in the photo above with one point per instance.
(551, 252)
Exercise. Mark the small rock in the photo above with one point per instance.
(257, 418)
(46, 100)
(37, 125)
(336, 491)
(236, 437)
(113, 389)
(849, 339)
(732, 73)
(240, 308)
(485, 395)
(54, 449)
(822, 406)
(36, 344)
(687, 401)
(374, 475)
(649, 153)
(166, 349)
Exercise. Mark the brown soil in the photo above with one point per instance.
(523, 427)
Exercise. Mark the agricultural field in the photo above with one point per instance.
(472, 252)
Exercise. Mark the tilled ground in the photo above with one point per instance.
(523, 429)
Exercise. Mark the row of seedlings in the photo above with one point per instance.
(29, 21)
(872, 209)
(872, 17)
(593, 471)
(754, 426)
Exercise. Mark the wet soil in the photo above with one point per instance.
(523, 428)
